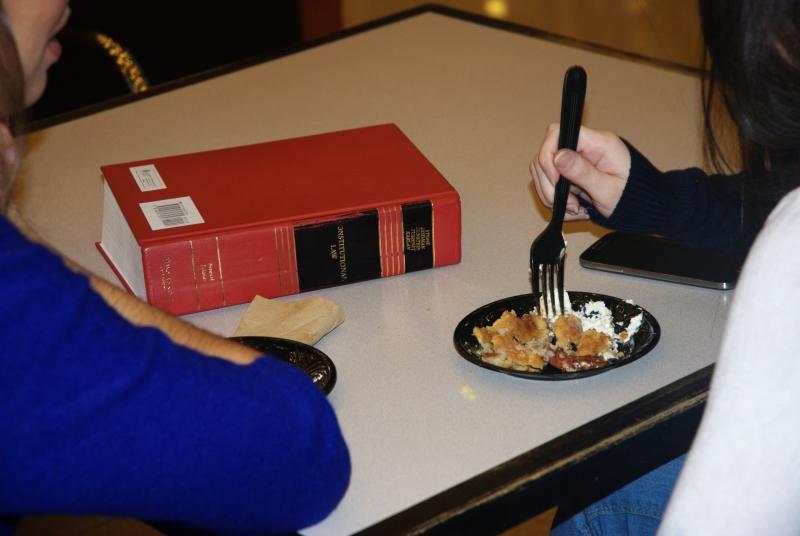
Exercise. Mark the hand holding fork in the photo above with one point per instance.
(548, 249)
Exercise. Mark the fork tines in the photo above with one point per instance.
(548, 282)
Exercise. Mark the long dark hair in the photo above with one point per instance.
(754, 52)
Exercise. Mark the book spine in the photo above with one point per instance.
(233, 267)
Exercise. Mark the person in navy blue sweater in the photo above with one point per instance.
(740, 475)
(617, 187)
(112, 407)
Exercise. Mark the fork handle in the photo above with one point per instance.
(572, 99)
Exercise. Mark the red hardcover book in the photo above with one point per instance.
(204, 230)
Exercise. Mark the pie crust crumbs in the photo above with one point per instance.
(530, 342)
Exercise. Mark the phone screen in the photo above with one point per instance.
(659, 258)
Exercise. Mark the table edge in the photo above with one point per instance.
(662, 424)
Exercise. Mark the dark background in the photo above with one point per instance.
(171, 40)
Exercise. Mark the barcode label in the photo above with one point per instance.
(147, 178)
(169, 213)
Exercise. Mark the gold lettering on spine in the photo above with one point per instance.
(340, 242)
(221, 278)
(433, 232)
(166, 277)
(207, 272)
(194, 275)
(418, 239)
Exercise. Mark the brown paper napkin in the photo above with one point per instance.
(306, 320)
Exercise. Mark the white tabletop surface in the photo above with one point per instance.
(476, 101)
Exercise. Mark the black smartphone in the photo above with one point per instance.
(659, 258)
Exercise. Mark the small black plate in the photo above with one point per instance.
(644, 340)
(313, 362)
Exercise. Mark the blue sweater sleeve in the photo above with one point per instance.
(101, 417)
(685, 205)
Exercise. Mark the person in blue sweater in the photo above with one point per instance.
(112, 407)
(740, 475)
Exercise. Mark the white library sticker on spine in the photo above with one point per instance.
(147, 177)
(169, 213)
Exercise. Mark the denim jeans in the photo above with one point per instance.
(634, 510)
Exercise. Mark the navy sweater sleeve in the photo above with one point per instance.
(101, 417)
(685, 205)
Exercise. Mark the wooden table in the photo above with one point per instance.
(475, 96)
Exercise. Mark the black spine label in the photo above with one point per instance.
(338, 252)
(418, 236)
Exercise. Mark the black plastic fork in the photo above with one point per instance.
(549, 249)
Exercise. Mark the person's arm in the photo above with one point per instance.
(616, 186)
(742, 474)
(139, 426)
(687, 205)
(140, 313)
